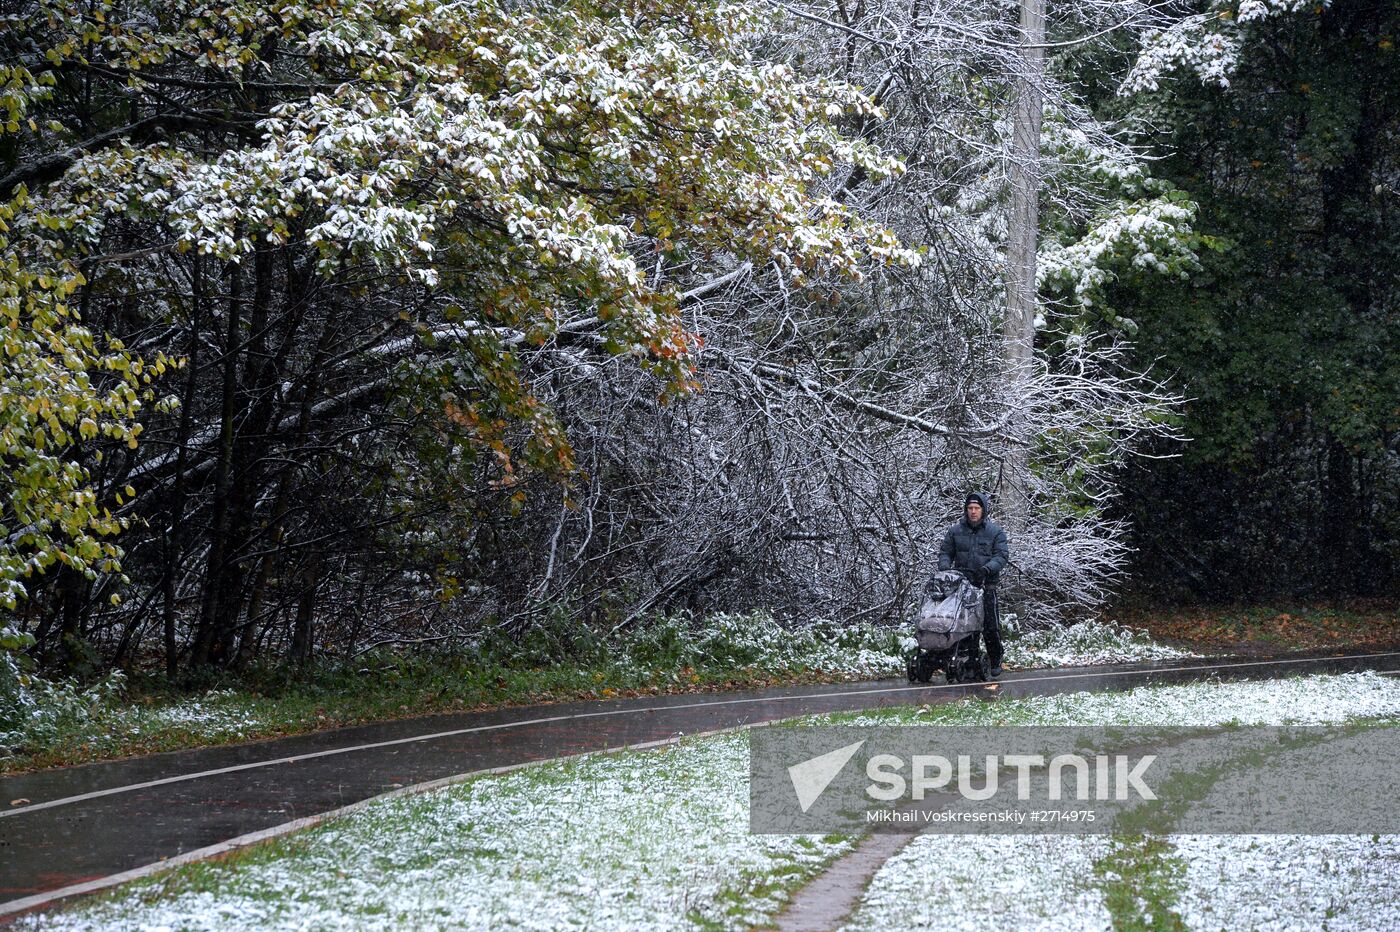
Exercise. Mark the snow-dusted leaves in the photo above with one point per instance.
(1206, 44)
(520, 162)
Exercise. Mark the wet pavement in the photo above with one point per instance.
(89, 822)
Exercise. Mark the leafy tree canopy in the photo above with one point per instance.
(505, 168)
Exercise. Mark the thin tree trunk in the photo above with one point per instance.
(282, 503)
(1018, 329)
(205, 635)
(174, 536)
(306, 612)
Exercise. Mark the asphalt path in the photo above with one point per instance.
(81, 828)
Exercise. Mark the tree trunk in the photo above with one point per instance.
(174, 537)
(1018, 328)
(306, 612)
(214, 577)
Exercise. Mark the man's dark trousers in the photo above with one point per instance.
(991, 624)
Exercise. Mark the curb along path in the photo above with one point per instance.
(84, 826)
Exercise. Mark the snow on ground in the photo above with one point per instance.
(1296, 881)
(1300, 787)
(1332, 882)
(1232, 882)
(218, 713)
(659, 839)
(1311, 700)
(955, 882)
(98, 716)
(637, 840)
(1086, 643)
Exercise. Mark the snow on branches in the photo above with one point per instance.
(1148, 235)
(1206, 44)
(516, 164)
(511, 153)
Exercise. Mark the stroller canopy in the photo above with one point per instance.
(951, 610)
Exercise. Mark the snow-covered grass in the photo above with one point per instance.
(1303, 700)
(757, 641)
(1155, 879)
(1302, 881)
(955, 882)
(62, 722)
(45, 723)
(1086, 643)
(1332, 882)
(654, 839)
(659, 839)
(221, 712)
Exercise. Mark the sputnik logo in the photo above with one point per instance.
(811, 777)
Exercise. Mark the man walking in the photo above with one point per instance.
(976, 545)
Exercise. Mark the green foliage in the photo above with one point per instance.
(1142, 231)
(62, 391)
(14, 678)
(518, 163)
(1288, 341)
(35, 710)
(49, 722)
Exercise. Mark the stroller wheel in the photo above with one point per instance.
(954, 671)
(926, 666)
(920, 666)
(975, 668)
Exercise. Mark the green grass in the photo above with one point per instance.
(1142, 877)
(65, 724)
(1141, 880)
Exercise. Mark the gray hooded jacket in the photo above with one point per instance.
(968, 547)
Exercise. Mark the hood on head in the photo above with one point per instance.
(981, 499)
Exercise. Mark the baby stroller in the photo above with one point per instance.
(949, 631)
